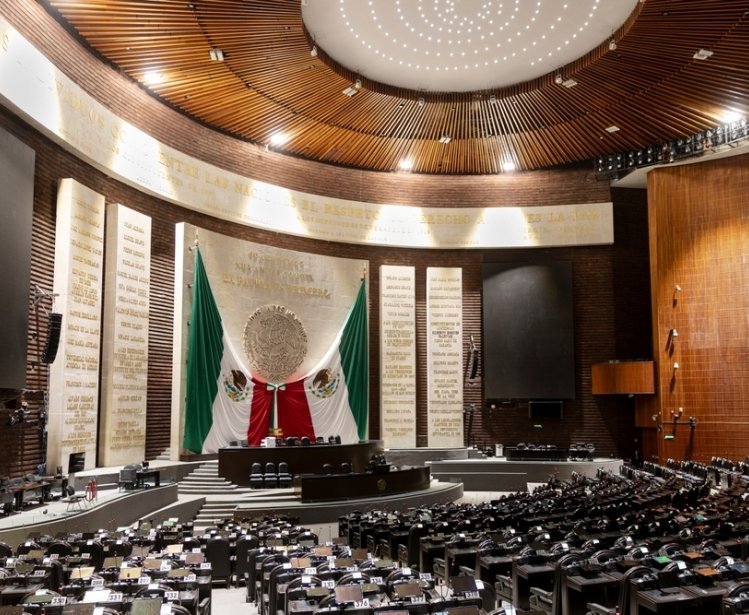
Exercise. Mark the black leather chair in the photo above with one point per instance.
(284, 476)
(327, 469)
(305, 441)
(218, 553)
(270, 476)
(256, 476)
(242, 547)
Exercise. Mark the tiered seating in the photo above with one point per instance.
(641, 542)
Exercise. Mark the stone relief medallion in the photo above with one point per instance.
(275, 342)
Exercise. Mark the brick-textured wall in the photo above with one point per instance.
(699, 218)
(611, 288)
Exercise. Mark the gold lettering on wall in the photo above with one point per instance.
(398, 356)
(74, 375)
(126, 318)
(445, 356)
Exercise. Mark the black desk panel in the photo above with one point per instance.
(234, 463)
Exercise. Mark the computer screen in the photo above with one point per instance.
(129, 573)
(407, 590)
(462, 584)
(348, 593)
(78, 608)
(146, 606)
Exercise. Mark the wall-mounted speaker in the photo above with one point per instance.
(473, 364)
(53, 337)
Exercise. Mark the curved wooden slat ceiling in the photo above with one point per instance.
(651, 86)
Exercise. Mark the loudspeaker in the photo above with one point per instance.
(474, 364)
(53, 337)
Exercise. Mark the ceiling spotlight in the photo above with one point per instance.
(612, 44)
(217, 55)
(279, 138)
(674, 333)
(357, 84)
(558, 79)
(677, 288)
(492, 99)
(313, 51)
(445, 139)
(421, 101)
(702, 54)
(153, 77)
(676, 365)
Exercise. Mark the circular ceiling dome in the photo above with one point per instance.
(460, 45)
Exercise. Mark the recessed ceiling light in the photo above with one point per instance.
(445, 139)
(702, 54)
(508, 166)
(406, 164)
(217, 55)
(569, 83)
(612, 128)
(153, 77)
(729, 116)
(279, 138)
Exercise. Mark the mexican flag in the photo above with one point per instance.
(333, 399)
(223, 402)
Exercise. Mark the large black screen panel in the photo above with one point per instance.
(528, 339)
(16, 206)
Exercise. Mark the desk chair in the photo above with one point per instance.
(256, 476)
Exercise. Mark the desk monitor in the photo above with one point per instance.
(348, 593)
(146, 606)
(79, 608)
(24, 568)
(177, 573)
(175, 548)
(462, 584)
(35, 554)
(140, 551)
(314, 593)
(39, 599)
(152, 563)
(88, 535)
(668, 578)
(360, 554)
(407, 590)
(193, 559)
(344, 562)
(84, 572)
(463, 610)
(301, 562)
(113, 562)
(92, 596)
(323, 551)
(129, 573)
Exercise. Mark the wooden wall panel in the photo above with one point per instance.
(610, 282)
(699, 216)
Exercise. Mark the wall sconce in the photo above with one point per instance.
(677, 290)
